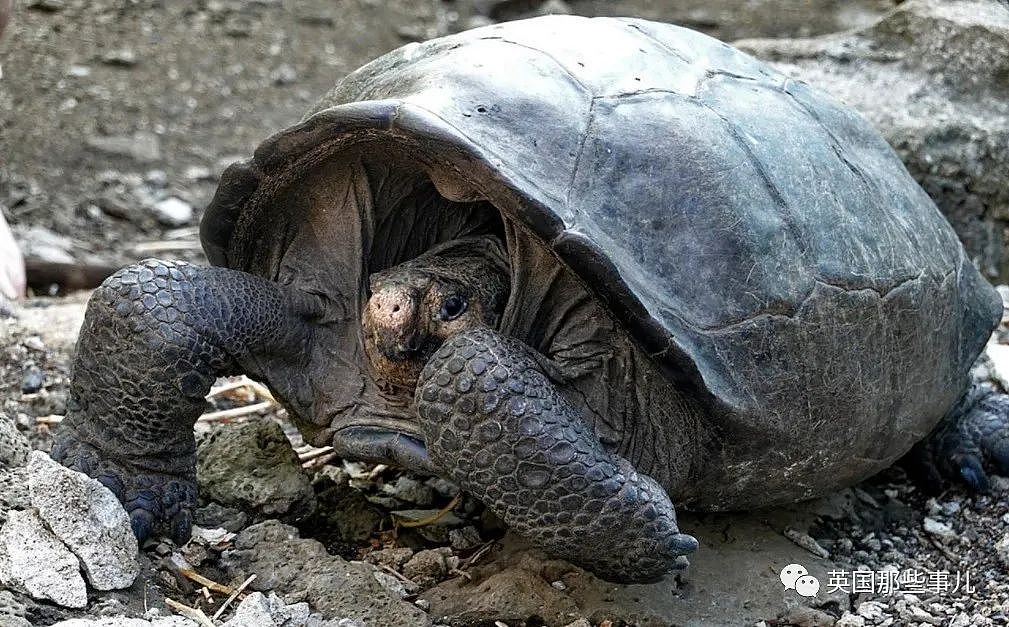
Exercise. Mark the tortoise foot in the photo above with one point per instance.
(972, 441)
(497, 426)
(158, 503)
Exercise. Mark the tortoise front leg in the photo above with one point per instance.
(498, 427)
(155, 337)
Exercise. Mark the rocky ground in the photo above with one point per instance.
(374, 546)
(116, 118)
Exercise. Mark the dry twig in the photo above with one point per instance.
(234, 595)
(203, 581)
(236, 412)
(313, 452)
(189, 612)
(433, 518)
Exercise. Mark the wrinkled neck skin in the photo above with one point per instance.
(407, 315)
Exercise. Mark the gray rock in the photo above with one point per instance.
(214, 515)
(287, 564)
(343, 510)
(88, 518)
(391, 558)
(802, 616)
(284, 74)
(34, 561)
(465, 538)
(13, 490)
(427, 568)
(12, 611)
(871, 610)
(289, 615)
(254, 611)
(399, 588)
(32, 379)
(409, 490)
(1002, 550)
(252, 467)
(850, 620)
(938, 529)
(122, 57)
(258, 610)
(931, 75)
(142, 146)
(14, 445)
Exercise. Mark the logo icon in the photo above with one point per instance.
(796, 577)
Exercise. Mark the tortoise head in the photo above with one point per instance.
(414, 307)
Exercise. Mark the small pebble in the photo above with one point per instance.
(807, 542)
(1002, 550)
(284, 75)
(32, 380)
(173, 211)
(850, 620)
(938, 529)
(871, 610)
(50, 6)
(120, 58)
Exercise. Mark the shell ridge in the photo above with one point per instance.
(564, 68)
(798, 238)
(632, 23)
(869, 185)
(881, 294)
(589, 116)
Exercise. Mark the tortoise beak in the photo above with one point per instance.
(381, 444)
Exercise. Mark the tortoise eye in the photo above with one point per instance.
(452, 308)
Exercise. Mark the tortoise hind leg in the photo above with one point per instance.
(975, 432)
(155, 336)
(496, 425)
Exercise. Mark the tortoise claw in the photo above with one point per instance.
(971, 442)
(142, 523)
(973, 474)
(157, 502)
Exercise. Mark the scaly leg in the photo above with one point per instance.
(155, 336)
(497, 426)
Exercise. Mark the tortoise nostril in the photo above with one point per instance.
(395, 308)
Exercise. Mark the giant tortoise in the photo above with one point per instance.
(584, 268)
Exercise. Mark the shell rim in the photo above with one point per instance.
(401, 123)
